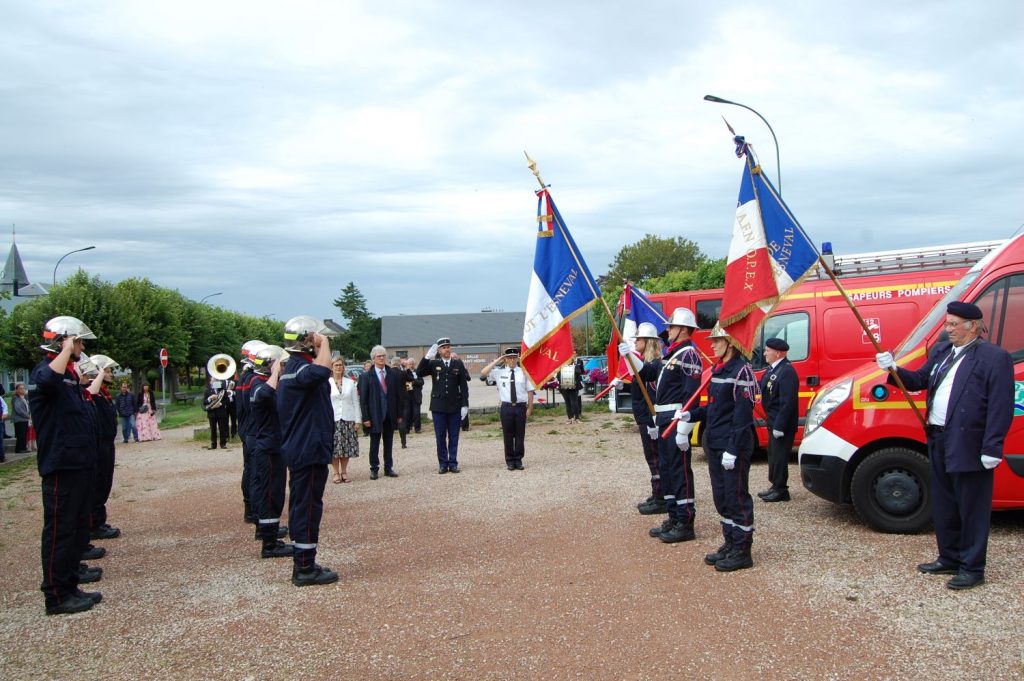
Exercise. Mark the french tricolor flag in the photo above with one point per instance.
(561, 288)
(769, 254)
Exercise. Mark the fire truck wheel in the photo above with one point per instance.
(890, 491)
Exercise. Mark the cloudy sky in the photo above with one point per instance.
(274, 151)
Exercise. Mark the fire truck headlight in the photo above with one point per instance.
(825, 404)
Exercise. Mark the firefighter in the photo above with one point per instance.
(677, 378)
(728, 424)
(970, 409)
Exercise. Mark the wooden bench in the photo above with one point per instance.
(185, 398)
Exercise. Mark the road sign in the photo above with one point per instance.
(163, 357)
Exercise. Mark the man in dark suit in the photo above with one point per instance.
(970, 409)
(780, 387)
(413, 394)
(449, 400)
(382, 402)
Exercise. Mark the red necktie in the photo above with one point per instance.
(383, 383)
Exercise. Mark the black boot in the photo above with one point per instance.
(680, 531)
(275, 548)
(738, 559)
(247, 515)
(313, 576)
(70, 604)
(652, 507)
(721, 553)
(664, 527)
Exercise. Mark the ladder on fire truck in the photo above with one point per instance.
(907, 259)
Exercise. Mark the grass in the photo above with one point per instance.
(177, 415)
(9, 472)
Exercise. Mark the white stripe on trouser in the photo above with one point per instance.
(725, 521)
(745, 528)
(304, 546)
(655, 477)
(269, 521)
(683, 502)
(670, 497)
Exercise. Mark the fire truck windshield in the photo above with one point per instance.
(937, 313)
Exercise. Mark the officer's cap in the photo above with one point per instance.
(964, 310)
(441, 342)
(777, 344)
(512, 352)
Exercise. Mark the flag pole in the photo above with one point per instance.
(532, 165)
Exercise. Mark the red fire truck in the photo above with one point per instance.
(892, 291)
(862, 444)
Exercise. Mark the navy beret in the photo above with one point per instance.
(777, 344)
(964, 310)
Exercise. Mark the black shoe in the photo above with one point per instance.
(212, 447)
(519, 465)
(404, 447)
(69, 605)
(94, 596)
(88, 575)
(966, 580)
(765, 492)
(93, 552)
(737, 559)
(276, 549)
(652, 507)
(282, 532)
(680, 531)
(776, 495)
(511, 466)
(937, 568)
(441, 470)
(373, 475)
(392, 474)
(313, 576)
(105, 531)
(454, 469)
(664, 527)
(223, 446)
(719, 554)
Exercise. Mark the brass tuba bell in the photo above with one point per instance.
(221, 367)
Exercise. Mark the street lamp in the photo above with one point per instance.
(778, 168)
(87, 248)
(205, 298)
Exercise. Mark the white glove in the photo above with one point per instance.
(682, 439)
(728, 461)
(465, 413)
(989, 462)
(885, 361)
(624, 350)
(778, 434)
(685, 427)
(432, 352)
(682, 416)
(617, 383)
(652, 432)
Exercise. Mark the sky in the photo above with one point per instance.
(272, 152)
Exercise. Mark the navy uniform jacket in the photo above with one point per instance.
(729, 414)
(64, 419)
(375, 405)
(780, 395)
(450, 390)
(980, 407)
(106, 418)
(677, 378)
(266, 427)
(641, 414)
(242, 402)
(305, 411)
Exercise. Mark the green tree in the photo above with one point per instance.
(708, 275)
(363, 328)
(654, 256)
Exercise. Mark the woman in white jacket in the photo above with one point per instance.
(345, 400)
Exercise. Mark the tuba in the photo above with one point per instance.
(221, 367)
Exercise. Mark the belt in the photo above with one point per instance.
(668, 407)
(513, 404)
(934, 429)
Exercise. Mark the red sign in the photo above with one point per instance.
(163, 357)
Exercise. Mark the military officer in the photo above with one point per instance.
(449, 400)
(515, 392)
(780, 387)
(970, 409)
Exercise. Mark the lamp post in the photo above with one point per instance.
(79, 250)
(778, 168)
(205, 298)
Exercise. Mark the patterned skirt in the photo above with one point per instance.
(346, 440)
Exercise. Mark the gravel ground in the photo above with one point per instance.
(546, 573)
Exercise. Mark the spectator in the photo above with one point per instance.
(127, 408)
(3, 419)
(345, 401)
(382, 404)
(147, 428)
(21, 417)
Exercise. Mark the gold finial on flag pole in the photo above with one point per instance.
(532, 165)
(731, 131)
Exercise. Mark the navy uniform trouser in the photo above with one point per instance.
(305, 509)
(513, 430)
(676, 470)
(247, 473)
(388, 436)
(66, 495)
(651, 457)
(961, 510)
(104, 481)
(446, 433)
(218, 420)
(267, 472)
(779, 450)
(730, 490)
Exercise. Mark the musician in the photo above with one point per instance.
(99, 528)
(267, 474)
(231, 384)
(677, 378)
(515, 392)
(449, 400)
(66, 431)
(570, 384)
(382, 405)
(214, 402)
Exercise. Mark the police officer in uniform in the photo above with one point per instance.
(728, 422)
(780, 387)
(249, 349)
(65, 423)
(267, 474)
(515, 392)
(449, 400)
(676, 379)
(307, 441)
(970, 409)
